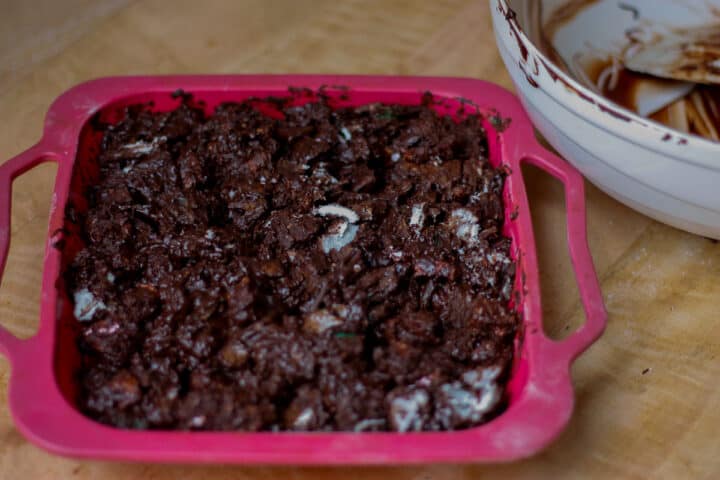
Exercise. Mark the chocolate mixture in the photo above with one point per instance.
(330, 270)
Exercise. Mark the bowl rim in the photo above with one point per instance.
(610, 110)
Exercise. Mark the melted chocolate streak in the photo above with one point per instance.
(511, 17)
(533, 83)
(633, 10)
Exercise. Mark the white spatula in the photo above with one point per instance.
(691, 55)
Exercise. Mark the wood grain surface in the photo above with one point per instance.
(647, 392)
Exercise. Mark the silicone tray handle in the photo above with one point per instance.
(587, 281)
(13, 168)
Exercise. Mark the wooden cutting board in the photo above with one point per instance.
(647, 392)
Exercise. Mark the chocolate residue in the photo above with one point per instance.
(499, 122)
(562, 16)
(688, 54)
(547, 31)
(614, 112)
(588, 98)
(511, 17)
(533, 83)
(698, 113)
(617, 83)
(634, 11)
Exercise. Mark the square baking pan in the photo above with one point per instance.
(42, 385)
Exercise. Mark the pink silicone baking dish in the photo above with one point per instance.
(42, 385)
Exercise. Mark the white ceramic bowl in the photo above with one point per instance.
(663, 173)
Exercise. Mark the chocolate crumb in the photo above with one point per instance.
(321, 269)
